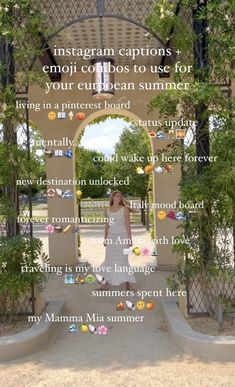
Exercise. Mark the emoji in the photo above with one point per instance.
(68, 194)
(140, 304)
(49, 152)
(80, 116)
(150, 305)
(58, 229)
(84, 328)
(161, 135)
(80, 280)
(180, 216)
(168, 168)
(77, 280)
(52, 116)
(161, 215)
(140, 171)
(50, 193)
(154, 253)
(50, 229)
(130, 305)
(171, 215)
(92, 329)
(100, 279)
(59, 192)
(59, 153)
(71, 116)
(76, 230)
(148, 169)
(145, 251)
(126, 251)
(152, 134)
(120, 306)
(79, 194)
(73, 329)
(180, 134)
(67, 228)
(69, 279)
(159, 169)
(102, 330)
(90, 279)
(68, 153)
(61, 115)
(136, 251)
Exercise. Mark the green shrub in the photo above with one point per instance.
(15, 284)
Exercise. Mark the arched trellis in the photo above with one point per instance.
(45, 46)
(61, 16)
(120, 17)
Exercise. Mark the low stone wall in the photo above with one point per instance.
(33, 339)
(213, 348)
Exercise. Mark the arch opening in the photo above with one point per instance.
(107, 164)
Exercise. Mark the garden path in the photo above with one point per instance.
(129, 355)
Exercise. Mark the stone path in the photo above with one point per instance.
(130, 355)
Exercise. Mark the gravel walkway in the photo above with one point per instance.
(130, 355)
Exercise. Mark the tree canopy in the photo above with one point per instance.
(133, 140)
(87, 168)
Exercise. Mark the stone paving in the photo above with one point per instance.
(132, 354)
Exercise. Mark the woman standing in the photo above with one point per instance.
(117, 237)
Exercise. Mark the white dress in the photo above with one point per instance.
(117, 241)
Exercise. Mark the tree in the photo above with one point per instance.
(87, 168)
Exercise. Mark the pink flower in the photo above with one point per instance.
(171, 215)
(145, 251)
(50, 229)
(102, 330)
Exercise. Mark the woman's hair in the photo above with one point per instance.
(122, 201)
(114, 193)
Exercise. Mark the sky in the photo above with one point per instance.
(102, 137)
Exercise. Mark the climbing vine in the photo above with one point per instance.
(215, 185)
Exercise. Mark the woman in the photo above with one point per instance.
(117, 237)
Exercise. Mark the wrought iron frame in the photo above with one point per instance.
(102, 13)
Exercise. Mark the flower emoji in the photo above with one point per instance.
(171, 215)
(50, 229)
(145, 251)
(102, 330)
